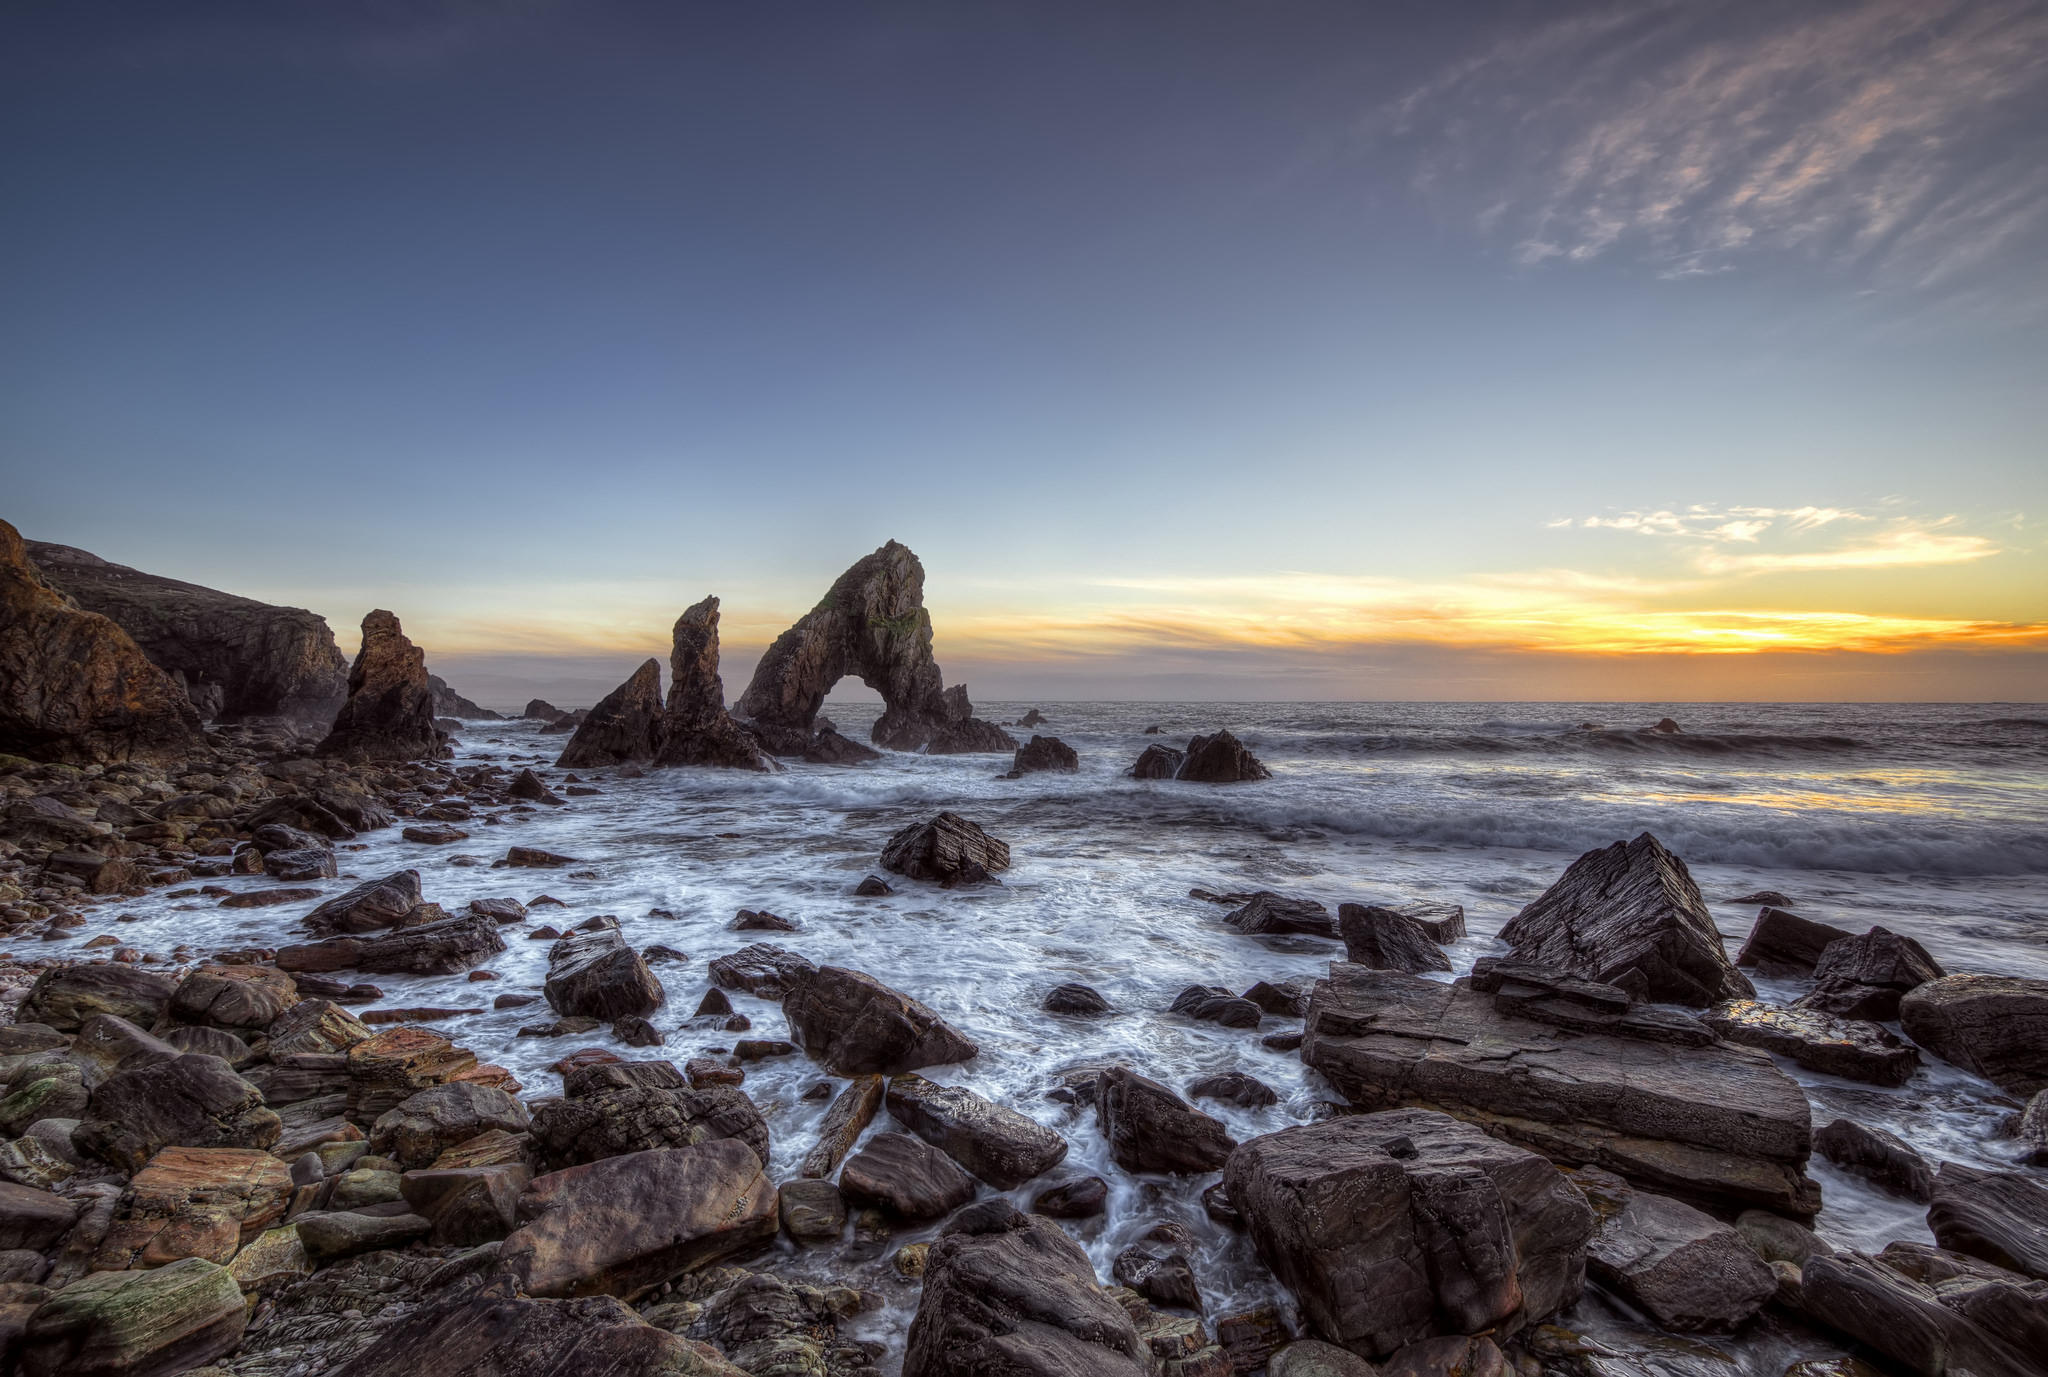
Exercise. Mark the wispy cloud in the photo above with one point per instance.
(1895, 140)
(1713, 536)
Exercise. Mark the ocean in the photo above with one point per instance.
(1929, 819)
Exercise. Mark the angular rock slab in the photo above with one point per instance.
(948, 849)
(996, 1143)
(1999, 1216)
(438, 948)
(1927, 1326)
(1855, 1049)
(853, 1024)
(1630, 915)
(191, 1101)
(428, 1123)
(626, 725)
(65, 997)
(1688, 1270)
(195, 1202)
(1007, 1294)
(369, 907)
(1784, 944)
(1994, 1025)
(1396, 1227)
(596, 975)
(617, 1108)
(1150, 1128)
(126, 1324)
(623, 1225)
(908, 1178)
(1387, 940)
(1718, 1122)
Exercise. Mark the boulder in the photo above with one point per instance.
(386, 1070)
(1999, 1216)
(760, 969)
(271, 1261)
(1878, 1156)
(1314, 1358)
(467, 1205)
(190, 1101)
(828, 747)
(626, 725)
(1395, 1227)
(391, 902)
(1082, 1198)
(1076, 1000)
(1043, 754)
(1010, 1295)
(1546, 994)
(623, 1225)
(1266, 913)
(948, 849)
(695, 727)
(854, 1024)
(426, 1124)
(1386, 940)
(1160, 1272)
(997, 1144)
(74, 687)
(106, 1043)
(64, 997)
(329, 1235)
(145, 1323)
(259, 660)
(1158, 762)
(438, 948)
(312, 863)
(1686, 1269)
(811, 1211)
(1216, 1004)
(1441, 922)
(508, 1336)
(871, 623)
(1852, 1048)
(1718, 1122)
(195, 1202)
(533, 858)
(1994, 1025)
(1630, 915)
(315, 1027)
(1150, 1128)
(1234, 1087)
(1782, 944)
(1220, 758)
(234, 996)
(596, 975)
(909, 1179)
(615, 1108)
(33, 1219)
(1929, 1325)
(1866, 977)
(389, 714)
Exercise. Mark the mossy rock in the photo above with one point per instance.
(136, 1324)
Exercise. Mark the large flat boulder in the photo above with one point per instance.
(1630, 915)
(1856, 1049)
(1716, 1122)
(1010, 1295)
(996, 1143)
(188, 1101)
(611, 1109)
(1999, 1216)
(64, 997)
(906, 1177)
(195, 1202)
(389, 902)
(623, 1225)
(853, 1024)
(1399, 1226)
(1994, 1025)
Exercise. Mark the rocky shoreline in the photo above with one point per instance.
(212, 1162)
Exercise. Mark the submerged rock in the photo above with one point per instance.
(1878, 1156)
(1041, 754)
(1630, 915)
(389, 714)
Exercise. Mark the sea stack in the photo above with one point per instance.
(626, 725)
(389, 714)
(74, 687)
(696, 729)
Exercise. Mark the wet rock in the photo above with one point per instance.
(1782, 944)
(811, 1211)
(1083, 1198)
(76, 688)
(1266, 913)
(1160, 1273)
(1999, 1216)
(438, 835)
(1314, 1358)
(853, 1024)
(1775, 1238)
(1043, 754)
(617, 1108)
(1545, 994)
(1386, 940)
(695, 727)
(438, 948)
(533, 858)
(1080, 1001)
(997, 1144)
(386, 1070)
(872, 887)
(1442, 923)
(1630, 915)
(1158, 762)
(1395, 1227)
(1996, 1026)
(623, 1225)
(846, 1118)
(828, 747)
(626, 725)
(189, 1100)
(1852, 1048)
(428, 1123)
(1878, 1156)
(1922, 1326)
(499, 910)
(1220, 758)
(52, 1090)
(333, 1234)
(195, 1202)
(234, 996)
(596, 975)
(390, 902)
(906, 1177)
(1866, 977)
(271, 1261)
(948, 849)
(64, 997)
(1150, 1128)
(314, 1026)
(760, 920)
(1235, 1087)
(125, 1324)
(313, 863)
(1288, 999)
(1215, 1004)
(389, 714)
(2032, 1131)
(770, 972)
(1717, 1122)
(1006, 1293)
(1688, 1270)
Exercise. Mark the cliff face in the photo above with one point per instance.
(238, 657)
(74, 687)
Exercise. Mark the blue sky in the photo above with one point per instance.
(1292, 350)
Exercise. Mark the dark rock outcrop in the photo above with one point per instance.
(1630, 915)
(948, 849)
(1994, 1025)
(1044, 753)
(1713, 1121)
(1082, 1001)
(854, 1024)
(449, 703)
(391, 902)
(871, 623)
(1265, 913)
(596, 975)
(1784, 944)
(1688, 1270)
(1158, 762)
(438, 948)
(627, 724)
(190, 1101)
(613, 1108)
(905, 1177)
(389, 714)
(1853, 1048)
(493, 1336)
(1387, 940)
(1220, 758)
(1396, 1227)
(1930, 1313)
(1150, 1128)
(1877, 1156)
(1999, 1216)
(996, 1143)
(1866, 976)
(695, 727)
(253, 659)
(75, 687)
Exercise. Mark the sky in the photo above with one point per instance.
(1660, 351)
